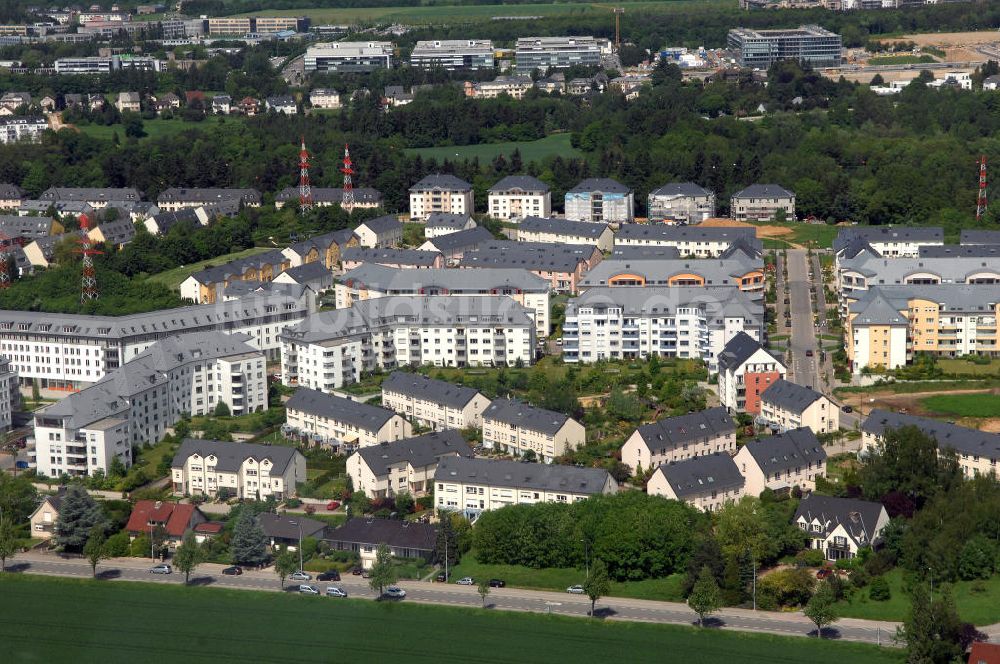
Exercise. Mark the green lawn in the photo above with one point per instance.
(802, 233)
(901, 60)
(961, 366)
(59, 620)
(154, 128)
(173, 278)
(556, 144)
(963, 405)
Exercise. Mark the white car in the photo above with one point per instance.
(465, 581)
(575, 590)
(162, 568)
(334, 591)
(306, 589)
(300, 576)
(395, 592)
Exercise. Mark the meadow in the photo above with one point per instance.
(550, 146)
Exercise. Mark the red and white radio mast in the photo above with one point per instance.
(305, 191)
(347, 202)
(88, 290)
(981, 198)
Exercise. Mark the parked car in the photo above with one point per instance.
(300, 576)
(465, 581)
(233, 570)
(162, 568)
(356, 571)
(809, 352)
(334, 591)
(394, 592)
(366, 574)
(575, 590)
(497, 583)
(306, 589)
(333, 505)
(848, 409)
(441, 578)
(823, 573)
(788, 323)
(329, 575)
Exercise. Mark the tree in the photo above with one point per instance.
(94, 548)
(907, 461)
(249, 544)
(446, 548)
(285, 564)
(8, 543)
(78, 515)
(18, 497)
(383, 572)
(598, 584)
(820, 609)
(484, 590)
(404, 502)
(188, 556)
(705, 597)
(221, 410)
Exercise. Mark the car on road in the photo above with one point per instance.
(809, 352)
(162, 568)
(497, 583)
(329, 575)
(395, 592)
(788, 323)
(847, 409)
(334, 591)
(332, 505)
(300, 576)
(441, 578)
(356, 571)
(465, 581)
(232, 570)
(306, 589)
(575, 590)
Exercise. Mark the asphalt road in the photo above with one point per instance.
(803, 368)
(509, 599)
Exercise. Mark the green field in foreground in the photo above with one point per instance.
(173, 278)
(556, 144)
(963, 405)
(59, 620)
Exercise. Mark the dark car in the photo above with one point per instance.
(233, 570)
(809, 352)
(497, 583)
(329, 575)
(441, 578)
(356, 571)
(788, 323)
(823, 573)
(848, 409)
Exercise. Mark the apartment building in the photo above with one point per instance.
(974, 264)
(786, 405)
(762, 202)
(543, 53)
(707, 482)
(516, 428)
(746, 370)
(889, 241)
(324, 249)
(446, 223)
(281, 104)
(176, 198)
(134, 405)
(678, 438)
(808, 44)
(207, 286)
(562, 265)
(972, 236)
(565, 231)
(515, 87)
(453, 246)
(372, 281)
(434, 403)
(348, 57)
(840, 527)
(690, 241)
(10, 397)
(404, 466)
(738, 271)
(519, 196)
(453, 54)
(335, 420)
(474, 486)
(239, 470)
(440, 193)
(10, 196)
(633, 323)
(380, 232)
(600, 200)
(96, 197)
(681, 203)
(327, 98)
(407, 259)
(782, 462)
(240, 26)
(129, 102)
(333, 348)
(26, 129)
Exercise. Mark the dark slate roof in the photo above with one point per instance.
(522, 475)
(309, 272)
(286, 527)
(764, 191)
(790, 396)
(742, 245)
(562, 227)
(383, 224)
(119, 231)
(167, 220)
(447, 220)
(967, 250)
(232, 455)
(887, 234)
(361, 415)
(962, 439)
(394, 533)
(737, 351)
(14, 226)
(603, 185)
(331, 195)
(792, 449)
(429, 389)
(10, 191)
(673, 432)
(529, 255)
(441, 181)
(976, 236)
(469, 238)
(520, 414)
(322, 242)
(419, 451)
(390, 256)
(709, 472)
(519, 182)
(681, 189)
(209, 194)
(859, 517)
(640, 251)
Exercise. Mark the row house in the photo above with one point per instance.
(785, 405)
(326, 249)
(330, 419)
(690, 241)
(240, 470)
(207, 286)
(404, 466)
(380, 232)
(363, 197)
(446, 223)
(433, 403)
(453, 246)
(176, 198)
(565, 231)
(405, 259)
(680, 438)
(708, 482)
(514, 427)
(562, 265)
(782, 462)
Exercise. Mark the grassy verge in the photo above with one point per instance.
(173, 278)
(909, 387)
(126, 621)
(901, 60)
(959, 366)
(556, 144)
(963, 405)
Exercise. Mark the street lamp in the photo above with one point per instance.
(299, 524)
(586, 553)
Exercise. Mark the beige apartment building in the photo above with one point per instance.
(514, 427)
(678, 438)
(433, 403)
(339, 421)
(785, 405)
(707, 482)
(782, 462)
(440, 193)
(239, 470)
(403, 466)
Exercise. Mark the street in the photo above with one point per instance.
(803, 369)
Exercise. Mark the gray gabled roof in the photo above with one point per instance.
(392, 532)
(15, 226)
(962, 439)
(603, 185)
(309, 272)
(558, 226)
(10, 191)
(419, 451)
(715, 271)
(682, 189)
(230, 456)
(402, 281)
(465, 239)
(90, 194)
(673, 432)
(645, 252)
(875, 309)
(389, 256)
(858, 517)
(716, 301)
(384, 224)
(764, 191)
(528, 255)
(197, 195)
(429, 389)
(790, 396)
(524, 183)
(881, 234)
(441, 182)
(287, 527)
(978, 236)
(796, 448)
(447, 220)
(522, 475)
(361, 415)
(331, 194)
(701, 474)
(956, 251)
(519, 414)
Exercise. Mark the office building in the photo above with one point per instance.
(349, 57)
(545, 53)
(453, 54)
(809, 44)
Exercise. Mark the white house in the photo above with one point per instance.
(518, 196)
(440, 193)
(333, 419)
(239, 470)
(840, 527)
(434, 403)
(403, 466)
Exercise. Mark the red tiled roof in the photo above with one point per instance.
(175, 518)
(984, 653)
(210, 527)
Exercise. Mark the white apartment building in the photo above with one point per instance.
(679, 438)
(326, 98)
(762, 202)
(453, 54)
(887, 241)
(693, 241)
(446, 223)
(22, 129)
(565, 231)
(9, 395)
(708, 482)
(440, 193)
(380, 232)
(176, 198)
(681, 203)
(519, 196)
(433, 403)
(96, 197)
(514, 427)
(349, 56)
(134, 405)
(782, 462)
(600, 200)
(681, 321)
(241, 470)
(403, 466)
(785, 405)
(337, 420)
(473, 486)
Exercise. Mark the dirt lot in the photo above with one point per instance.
(762, 231)
(886, 400)
(956, 45)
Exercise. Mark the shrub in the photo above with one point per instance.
(788, 587)
(879, 591)
(293, 503)
(809, 558)
(117, 546)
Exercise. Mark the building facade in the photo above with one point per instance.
(434, 403)
(332, 419)
(785, 405)
(453, 54)
(440, 193)
(600, 200)
(516, 428)
(405, 466)
(519, 196)
(238, 470)
(809, 44)
(545, 53)
(707, 482)
(681, 203)
(679, 438)
(746, 370)
(762, 202)
(349, 57)
(564, 231)
(782, 462)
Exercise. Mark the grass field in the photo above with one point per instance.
(901, 60)
(960, 366)
(821, 234)
(153, 128)
(556, 144)
(173, 278)
(59, 620)
(963, 405)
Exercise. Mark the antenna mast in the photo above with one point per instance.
(347, 202)
(88, 290)
(305, 191)
(981, 199)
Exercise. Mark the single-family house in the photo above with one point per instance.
(173, 520)
(380, 232)
(840, 527)
(405, 539)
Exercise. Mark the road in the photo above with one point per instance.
(803, 368)
(508, 599)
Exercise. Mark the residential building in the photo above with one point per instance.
(840, 527)
(762, 202)
(282, 104)
(162, 222)
(888, 241)
(115, 234)
(679, 438)
(951, 265)
(681, 203)
(176, 198)
(565, 231)
(22, 129)
(786, 405)
(19, 230)
(739, 271)
(207, 286)
(284, 532)
(380, 232)
(134, 405)
(174, 520)
(433, 403)
(514, 427)
(543, 53)
(222, 104)
(15, 100)
(10, 196)
(405, 539)
(746, 370)
(453, 54)
(10, 397)
(364, 197)
(326, 98)
(555, 82)
(600, 200)
(681, 321)
(315, 275)
(562, 265)
(515, 87)
(453, 246)
(445, 223)
(326, 249)
(354, 257)
(474, 486)
(969, 236)
(782, 462)
(333, 348)
(129, 102)
(808, 44)
(346, 56)
(367, 282)
(519, 196)
(95, 197)
(980, 652)
(693, 241)
(405, 466)
(334, 419)
(440, 193)
(45, 517)
(707, 482)
(236, 470)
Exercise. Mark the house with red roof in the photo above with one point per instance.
(175, 519)
(208, 530)
(984, 653)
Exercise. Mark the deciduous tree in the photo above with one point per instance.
(821, 609)
(94, 550)
(8, 543)
(285, 564)
(597, 584)
(188, 556)
(383, 572)
(705, 597)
